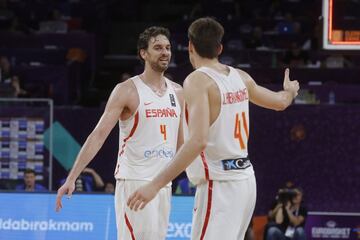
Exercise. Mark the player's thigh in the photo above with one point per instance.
(148, 223)
(223, 210)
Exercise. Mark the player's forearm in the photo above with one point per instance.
(184, 157)
(285, 99)
(90, 148)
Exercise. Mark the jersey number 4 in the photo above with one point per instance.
(237, 130)
(163, 130)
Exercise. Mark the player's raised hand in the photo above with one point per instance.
(142, 196)
(67, 188)
(291, 86)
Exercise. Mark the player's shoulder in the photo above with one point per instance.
(176, 86)
(242, 73)
(245, 77)
(124, 92)
(126, 86)
(196, 78)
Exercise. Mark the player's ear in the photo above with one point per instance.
(220, 49)
(143, 53)
(191, 47)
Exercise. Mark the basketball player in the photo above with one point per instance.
(148, 108)
(215, 151)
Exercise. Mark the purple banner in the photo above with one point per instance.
(327, 225)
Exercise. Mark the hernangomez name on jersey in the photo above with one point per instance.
(226, 154)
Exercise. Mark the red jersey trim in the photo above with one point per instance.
(208, 210)
(133, 129)
(128, 224)
(206, 168)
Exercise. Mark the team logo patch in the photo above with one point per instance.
(236, 164)
(172, 100)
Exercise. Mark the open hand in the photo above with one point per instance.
(67, 188)
(142, 196)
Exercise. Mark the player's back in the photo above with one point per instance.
(225, 157)
(148, 139)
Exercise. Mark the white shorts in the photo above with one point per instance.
(223, 209)
(151, 223)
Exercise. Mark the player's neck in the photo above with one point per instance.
(153, 78)
(206, 62)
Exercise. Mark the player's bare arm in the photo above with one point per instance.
(197, 102)
(269, 99)
(118, 100)
(180, 95)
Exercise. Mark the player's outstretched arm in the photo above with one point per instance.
(95, 140)
(197, 104)
(269, 99)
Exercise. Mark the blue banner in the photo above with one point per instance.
(32, 216)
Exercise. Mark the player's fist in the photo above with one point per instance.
(291, 86)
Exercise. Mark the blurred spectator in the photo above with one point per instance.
(256, 39)
(7, 78)
(296, 57)
(109, 187)
(287, 218)
(29, 183)
(88, 181)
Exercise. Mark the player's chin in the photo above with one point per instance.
(163, 66)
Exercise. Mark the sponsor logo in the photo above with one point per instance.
(147, 103)
(235, 97)
(159, 153)
(330, 231)
(157, 113)
(46, 225)
(180, 230)
(235, 164)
